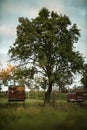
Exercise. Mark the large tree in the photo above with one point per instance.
(47, 43)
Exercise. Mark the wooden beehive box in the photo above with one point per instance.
(16, 93)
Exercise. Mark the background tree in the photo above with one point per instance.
(47, 43)
(13, 75)
(84, 78)
(4, 77)
(12, 70)
(7, 75)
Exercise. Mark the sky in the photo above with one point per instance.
(10, 10)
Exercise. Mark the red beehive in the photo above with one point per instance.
(78, 96)
(16, 93)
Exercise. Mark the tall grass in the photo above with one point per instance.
(34, 116)
(42, 119)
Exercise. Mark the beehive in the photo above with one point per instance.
(16, 93)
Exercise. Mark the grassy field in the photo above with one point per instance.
(32, 115)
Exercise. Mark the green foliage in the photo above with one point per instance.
(24, 75)
(35, 95)
(84, 78)
(47, 43)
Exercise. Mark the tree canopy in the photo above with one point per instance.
(47, 43)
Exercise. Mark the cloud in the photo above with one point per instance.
(17, 9)
(7, 30)
(81, 4)
(7, 37)
(3, 56)
(12, 9)
(3, 51)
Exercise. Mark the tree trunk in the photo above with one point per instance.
(47, 94)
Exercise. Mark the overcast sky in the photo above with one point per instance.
(10, 10)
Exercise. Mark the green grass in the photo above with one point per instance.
(34, 116)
